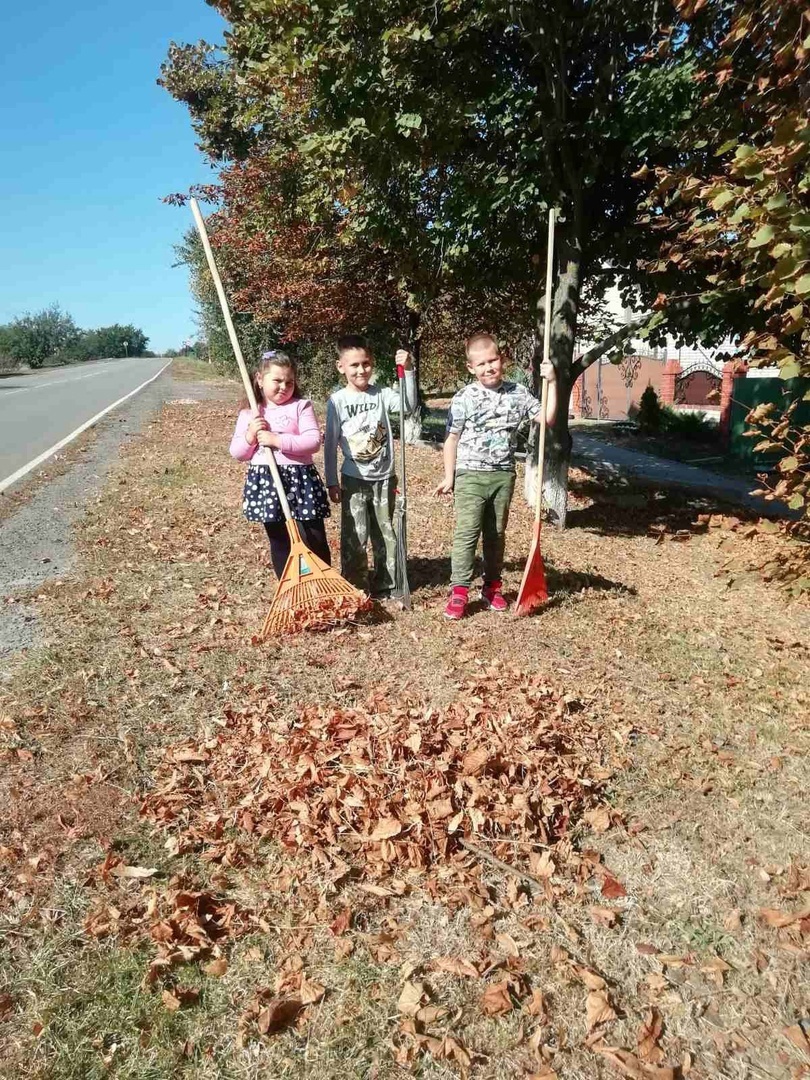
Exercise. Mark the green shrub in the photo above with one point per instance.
(650, 415)
(687, 425)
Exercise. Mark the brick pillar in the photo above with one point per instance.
(672, 369)
(732, 369)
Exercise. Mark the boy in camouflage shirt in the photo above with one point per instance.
(357, 421)
(479, 466)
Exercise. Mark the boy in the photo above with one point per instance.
(479, 465)
(357, 420)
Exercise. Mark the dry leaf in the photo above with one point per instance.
(135, 873)
(171, 1002)
(598, 1010)
(410, 1000)
(649, 1035)
(496, 999)
(536, 1005)
(278, 1014)
(797, 1036)
(588, 977)
(612, 889)
(311, 992)
(216, 967)
(780, 919)
(386, 828)
(455, 966)
(603, 916)
(508, 944)
(474, 762)
(598, 819)
(629, 1065)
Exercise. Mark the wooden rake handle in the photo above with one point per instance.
(237, 349)
(541, 445)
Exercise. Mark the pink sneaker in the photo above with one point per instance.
(493, 597)
(457, 604)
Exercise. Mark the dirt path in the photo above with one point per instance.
(690, 683)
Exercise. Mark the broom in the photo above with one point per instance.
(533, 587)
(402, 589)
(309, 593)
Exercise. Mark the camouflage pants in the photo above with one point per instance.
(482, 506)
(366, 511)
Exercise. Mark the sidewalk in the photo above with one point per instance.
(605, 458)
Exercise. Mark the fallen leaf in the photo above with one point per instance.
(629, 1065)
(780, 919)
(171, 1002)
(496, 999)
(410, 1000)
(216, 967)
(536, 1005)
(588, 978)
(603, 916)
(598, 1010)
(311, 992)
(135, 873)
(648, 1036)
(278, 1014)
(797, 1036)
(455, 966)
(474, 762)
(612, 889)
(508, 944)
(598, 819)
(386, 829)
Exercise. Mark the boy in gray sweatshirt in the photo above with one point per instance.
(357, 420)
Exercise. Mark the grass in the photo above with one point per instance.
(701, 688)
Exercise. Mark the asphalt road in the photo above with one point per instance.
(39, 409)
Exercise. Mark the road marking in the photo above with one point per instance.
(54, 382)
(20, 473)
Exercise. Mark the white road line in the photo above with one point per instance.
(55, 382)
(20, 473)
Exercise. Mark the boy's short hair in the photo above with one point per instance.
(484, 337)
(352, 341)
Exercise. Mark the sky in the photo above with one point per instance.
(90, 144)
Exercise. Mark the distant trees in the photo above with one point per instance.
(52, 334)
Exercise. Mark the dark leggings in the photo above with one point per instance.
(313, 533)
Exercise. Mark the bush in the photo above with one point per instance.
(650, 415)
(687, 425)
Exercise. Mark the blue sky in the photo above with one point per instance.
(89, 146)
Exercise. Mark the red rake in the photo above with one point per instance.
(533, 588)
(310, 594)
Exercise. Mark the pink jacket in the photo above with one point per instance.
(295, 422)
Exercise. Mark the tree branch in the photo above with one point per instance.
(620, 335)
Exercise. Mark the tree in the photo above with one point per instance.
(444, 132)
(735, 213)
(32, 339)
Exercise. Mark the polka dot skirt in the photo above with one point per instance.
(302, 484)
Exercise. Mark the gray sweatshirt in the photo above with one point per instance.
(359, 424)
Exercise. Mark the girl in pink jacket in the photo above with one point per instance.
(286, 426)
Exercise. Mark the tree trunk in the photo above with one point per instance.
(412, 425)
(563, 333)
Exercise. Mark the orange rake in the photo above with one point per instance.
(534, 588)
(310, 593)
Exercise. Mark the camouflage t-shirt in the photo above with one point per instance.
(487, 421)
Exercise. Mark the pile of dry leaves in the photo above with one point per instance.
(389, 788)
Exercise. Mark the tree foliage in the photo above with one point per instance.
(735, 214)
(438, 137)
(34, 338)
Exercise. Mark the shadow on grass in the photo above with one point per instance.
(620, 511)
(435, 574)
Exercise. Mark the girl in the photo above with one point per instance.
(286, 425)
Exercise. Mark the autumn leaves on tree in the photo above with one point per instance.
(389, 167)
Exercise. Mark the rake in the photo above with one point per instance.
(402, 589)
(533, 587)
(309, 593)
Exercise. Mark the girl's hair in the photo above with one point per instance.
(272, 358)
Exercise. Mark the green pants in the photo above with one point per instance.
(366, 512)
(482, 506)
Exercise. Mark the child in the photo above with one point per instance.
(479, 465)
(357, 420)
(285, 425)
